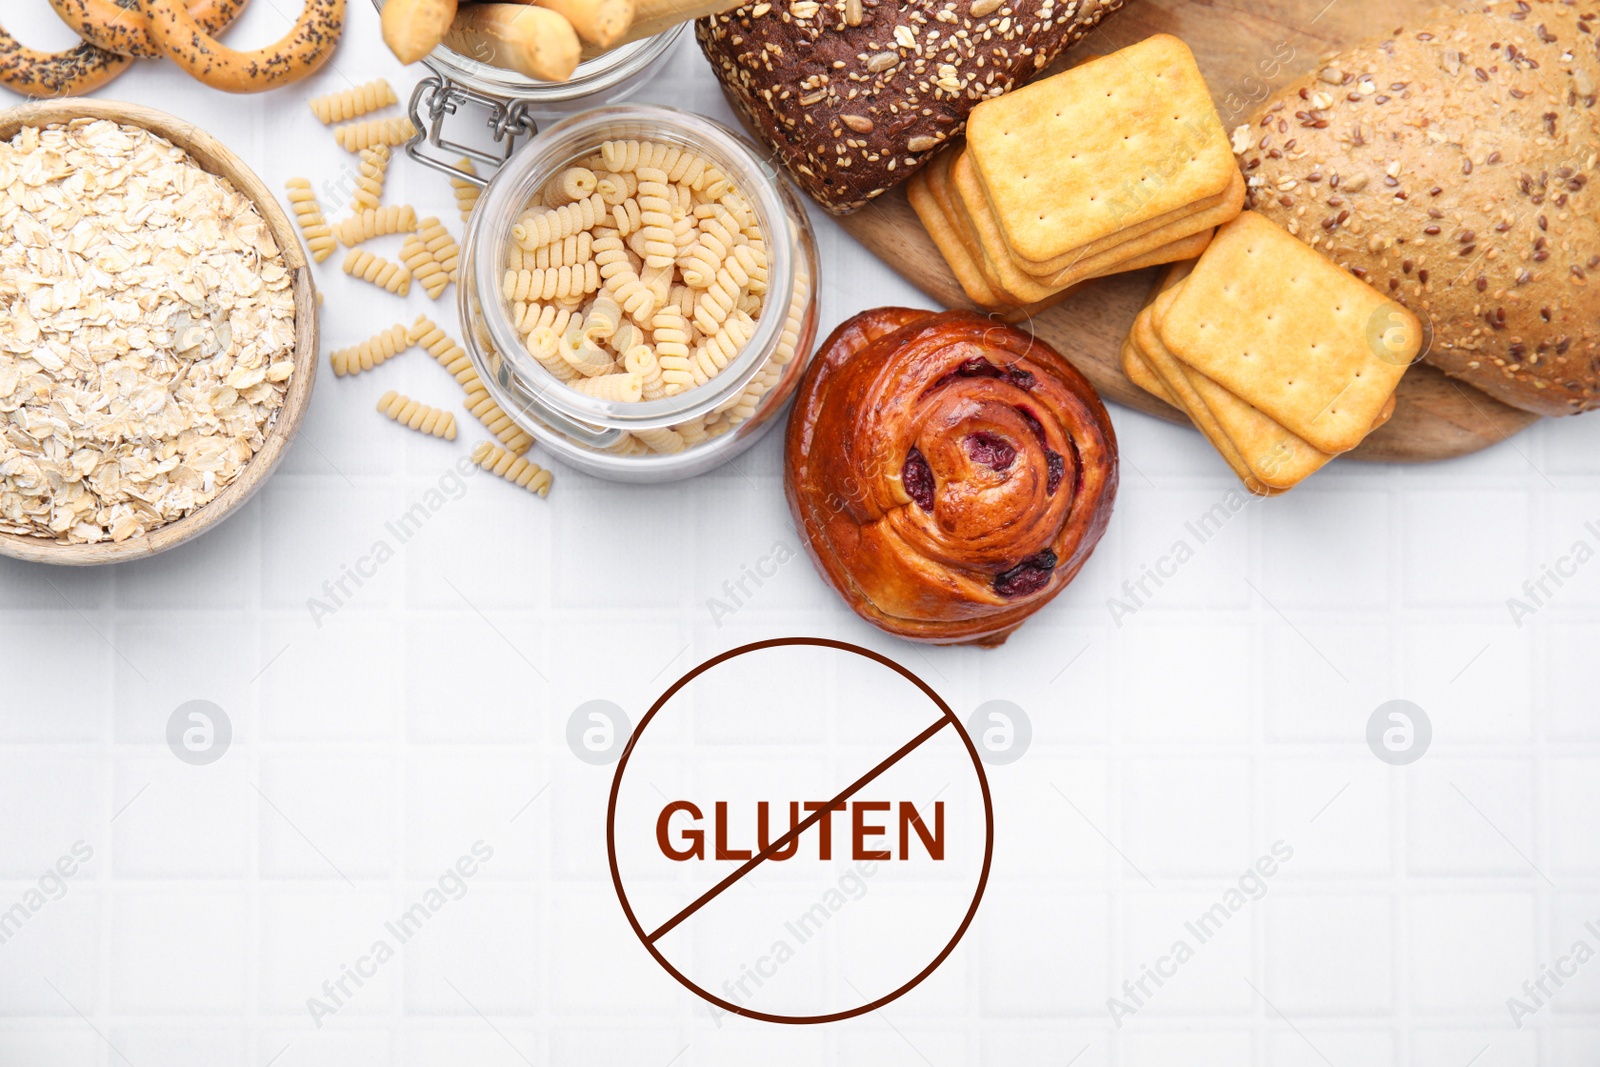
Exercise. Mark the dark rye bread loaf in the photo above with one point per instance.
(1452, 164)
(855, 95)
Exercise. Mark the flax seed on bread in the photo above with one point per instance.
(1452, 164)
(856, 95)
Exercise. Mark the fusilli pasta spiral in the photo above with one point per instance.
(623, 387)
(641, 360)
(543, 227)
(369, 184)
(418, 416)
(486, 411)
(370, 353)
(353, 103)
(515, 469)
(548, 347)
(308, 214)
(441, 246)
(467, 193)
(574, 183)
(354, 136)
(552, 283)
(376, 222)
(379, 271)
(423, 267)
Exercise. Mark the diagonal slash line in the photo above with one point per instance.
(1103, 837)
(1290, 1023)
(805, 824)
(1479, 1056)
(1296, 629)
(1503, 837)
(1079, 1056)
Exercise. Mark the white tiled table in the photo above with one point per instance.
(370, 752)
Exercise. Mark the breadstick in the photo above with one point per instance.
(534, 41)
(302, 51)
(600, 23)
(651, 17)
(413, 28)
(126, 30)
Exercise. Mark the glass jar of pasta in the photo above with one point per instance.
(511, 104)
(638, 291)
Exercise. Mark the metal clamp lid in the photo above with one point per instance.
(436, 98)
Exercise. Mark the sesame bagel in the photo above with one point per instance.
(119, 26)
(1452, 164)
(50, 74)
(300, 52)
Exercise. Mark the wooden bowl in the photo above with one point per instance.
(211, 155)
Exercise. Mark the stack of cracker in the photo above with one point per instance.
(1278, 355)
(1116, 164)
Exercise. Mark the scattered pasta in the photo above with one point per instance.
(376, 222)
(441, 246)
(308, 213)
(353, 103)
(370, 353)
(424, 270)
(467, 192)
(354, 136)
(494, 418)
(454, 359)
(514, 469)
(418, 416)
(369, 184)
(379, 271)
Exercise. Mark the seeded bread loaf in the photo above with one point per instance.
(1453, 165)
(855, 95)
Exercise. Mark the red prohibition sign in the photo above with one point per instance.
(650, 937)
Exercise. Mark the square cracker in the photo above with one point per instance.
(1147, 345)
(1290, 333)
(1182, 239)
(1103, 147)
(930, 198)
(927, 204)
(1274, 456)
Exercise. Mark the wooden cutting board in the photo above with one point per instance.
(1247, 50)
